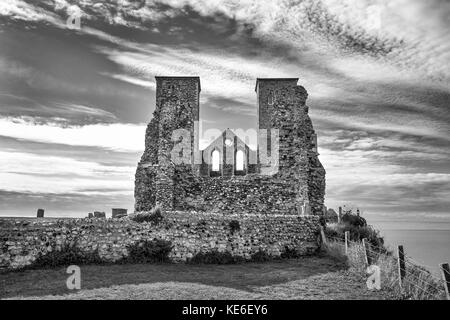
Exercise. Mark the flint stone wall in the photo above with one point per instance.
(251, 193)
(23, 240)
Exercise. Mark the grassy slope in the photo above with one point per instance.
(307, 278)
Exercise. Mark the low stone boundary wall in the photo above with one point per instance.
(23, 240)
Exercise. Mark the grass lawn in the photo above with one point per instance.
(306, 278)
(238, 276)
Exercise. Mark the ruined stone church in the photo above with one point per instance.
(231, 177)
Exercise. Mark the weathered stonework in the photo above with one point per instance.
(296, 187)
(23, 240)
(275, 211)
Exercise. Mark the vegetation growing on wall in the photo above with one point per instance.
(154, 216)
(152, 251)
(68, 255)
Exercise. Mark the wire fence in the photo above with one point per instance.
(408, 276)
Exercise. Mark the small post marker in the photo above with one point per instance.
(445, 269)
(40, 213)
(347, 238)
(366, 253)
(401, 265)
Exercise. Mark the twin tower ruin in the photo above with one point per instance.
(282, 176)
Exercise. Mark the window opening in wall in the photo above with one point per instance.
(228, 142)
(239, 160)
(215, 158)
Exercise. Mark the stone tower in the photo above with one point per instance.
(282, 105)
(177, 107)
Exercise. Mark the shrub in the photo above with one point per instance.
(334, 233)
(353, 220)
(215, 257)
(154, 216)
(358, 230)
(234, 226)
(260, 256)
(368, 232)
(145, 251)
(289, 253)
(68, 255)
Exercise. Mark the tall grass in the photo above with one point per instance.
(336, 250)
(418, 284)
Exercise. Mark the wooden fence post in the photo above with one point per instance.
(445, 269)
(366, 253)
(347, 238)
(401, 265)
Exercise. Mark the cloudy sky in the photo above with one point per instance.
(74, 102)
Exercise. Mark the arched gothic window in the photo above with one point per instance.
(215, 159)
(239, 160)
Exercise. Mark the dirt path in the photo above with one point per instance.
(340, 285)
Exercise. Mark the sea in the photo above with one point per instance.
(425, 242)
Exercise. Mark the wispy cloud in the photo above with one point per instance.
(134, 80)
(24, 172)
(222, 74)
(116, 136)
(376, 72)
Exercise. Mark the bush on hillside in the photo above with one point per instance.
(358, 230)
(146, 251)
(353, 220)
